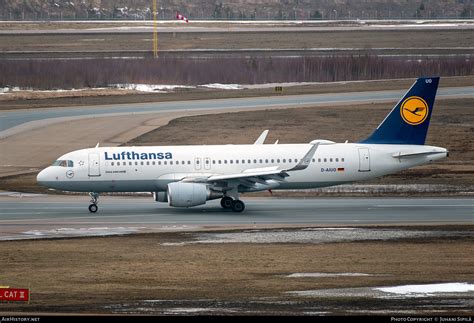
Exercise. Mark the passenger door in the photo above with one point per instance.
(364, 160)
(94, 164)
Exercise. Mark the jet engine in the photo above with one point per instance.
(190, 194)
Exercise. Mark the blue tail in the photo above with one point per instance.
(408, 122)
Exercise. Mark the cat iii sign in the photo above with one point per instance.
(14, 295)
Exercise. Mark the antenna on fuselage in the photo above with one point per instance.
(97, 146)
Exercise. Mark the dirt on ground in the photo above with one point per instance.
(359, 39)
(99, 275)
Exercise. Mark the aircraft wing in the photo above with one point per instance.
(257, 178)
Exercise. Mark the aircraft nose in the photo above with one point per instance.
(43, 177)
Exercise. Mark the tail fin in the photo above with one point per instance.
(408, 121)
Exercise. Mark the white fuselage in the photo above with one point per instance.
(140, 169)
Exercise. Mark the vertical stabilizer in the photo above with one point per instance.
(408, 122)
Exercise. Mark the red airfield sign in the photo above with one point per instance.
(14, 294)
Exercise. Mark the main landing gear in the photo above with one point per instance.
(94, 200)
(228, 202)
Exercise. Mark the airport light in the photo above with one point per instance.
(155, 31)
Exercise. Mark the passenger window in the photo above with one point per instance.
(112, 163)
(254, 161)
(141, 163)
(159, 162)
(243, 161)
(236, 161)
(231, 161)
(130, 163)
(325, 160)
(153, 163)
(314, 160)
(249, 161)
(342, 159)
(165, 163)
(171, 162)
(148, 163)
(213, 162)
(220, 162)
(330, 160)
(284, 160)
(266, 161)
(337, 159)
(118, 163)
(319, 160)
(225, 161)
(261, 161)
(136, 163)
(278, 160)
(289, 160)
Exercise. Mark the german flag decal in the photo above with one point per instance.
(340, 169)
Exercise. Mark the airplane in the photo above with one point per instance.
(187, 176)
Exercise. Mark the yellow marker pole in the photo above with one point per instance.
(155, 31)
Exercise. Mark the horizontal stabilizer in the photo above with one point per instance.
(402, 154)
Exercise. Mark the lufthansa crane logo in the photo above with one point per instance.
(414, 110)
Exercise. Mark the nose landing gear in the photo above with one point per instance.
(94, 200)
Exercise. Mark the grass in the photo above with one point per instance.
(87, 274)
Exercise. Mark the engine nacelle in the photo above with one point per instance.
(190, 194)
(160, 196)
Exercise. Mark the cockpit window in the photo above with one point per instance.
(63, 163)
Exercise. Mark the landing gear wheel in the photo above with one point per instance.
(94, 199)
(93, 208)
(238, 206)
(226, 202)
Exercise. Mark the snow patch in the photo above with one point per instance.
(151, 88)
(320, 235)
(394, 292)
(173, 244)
(428, 289)
(324, 275)
(223, 86)
(76, 232)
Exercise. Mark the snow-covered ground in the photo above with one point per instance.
(165, 88)
(404, 291)
(315, 235)
(82, 232)
(151, 87)
(326, 275)
(428, 289)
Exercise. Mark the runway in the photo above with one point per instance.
(40, 216)
(210, 26)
